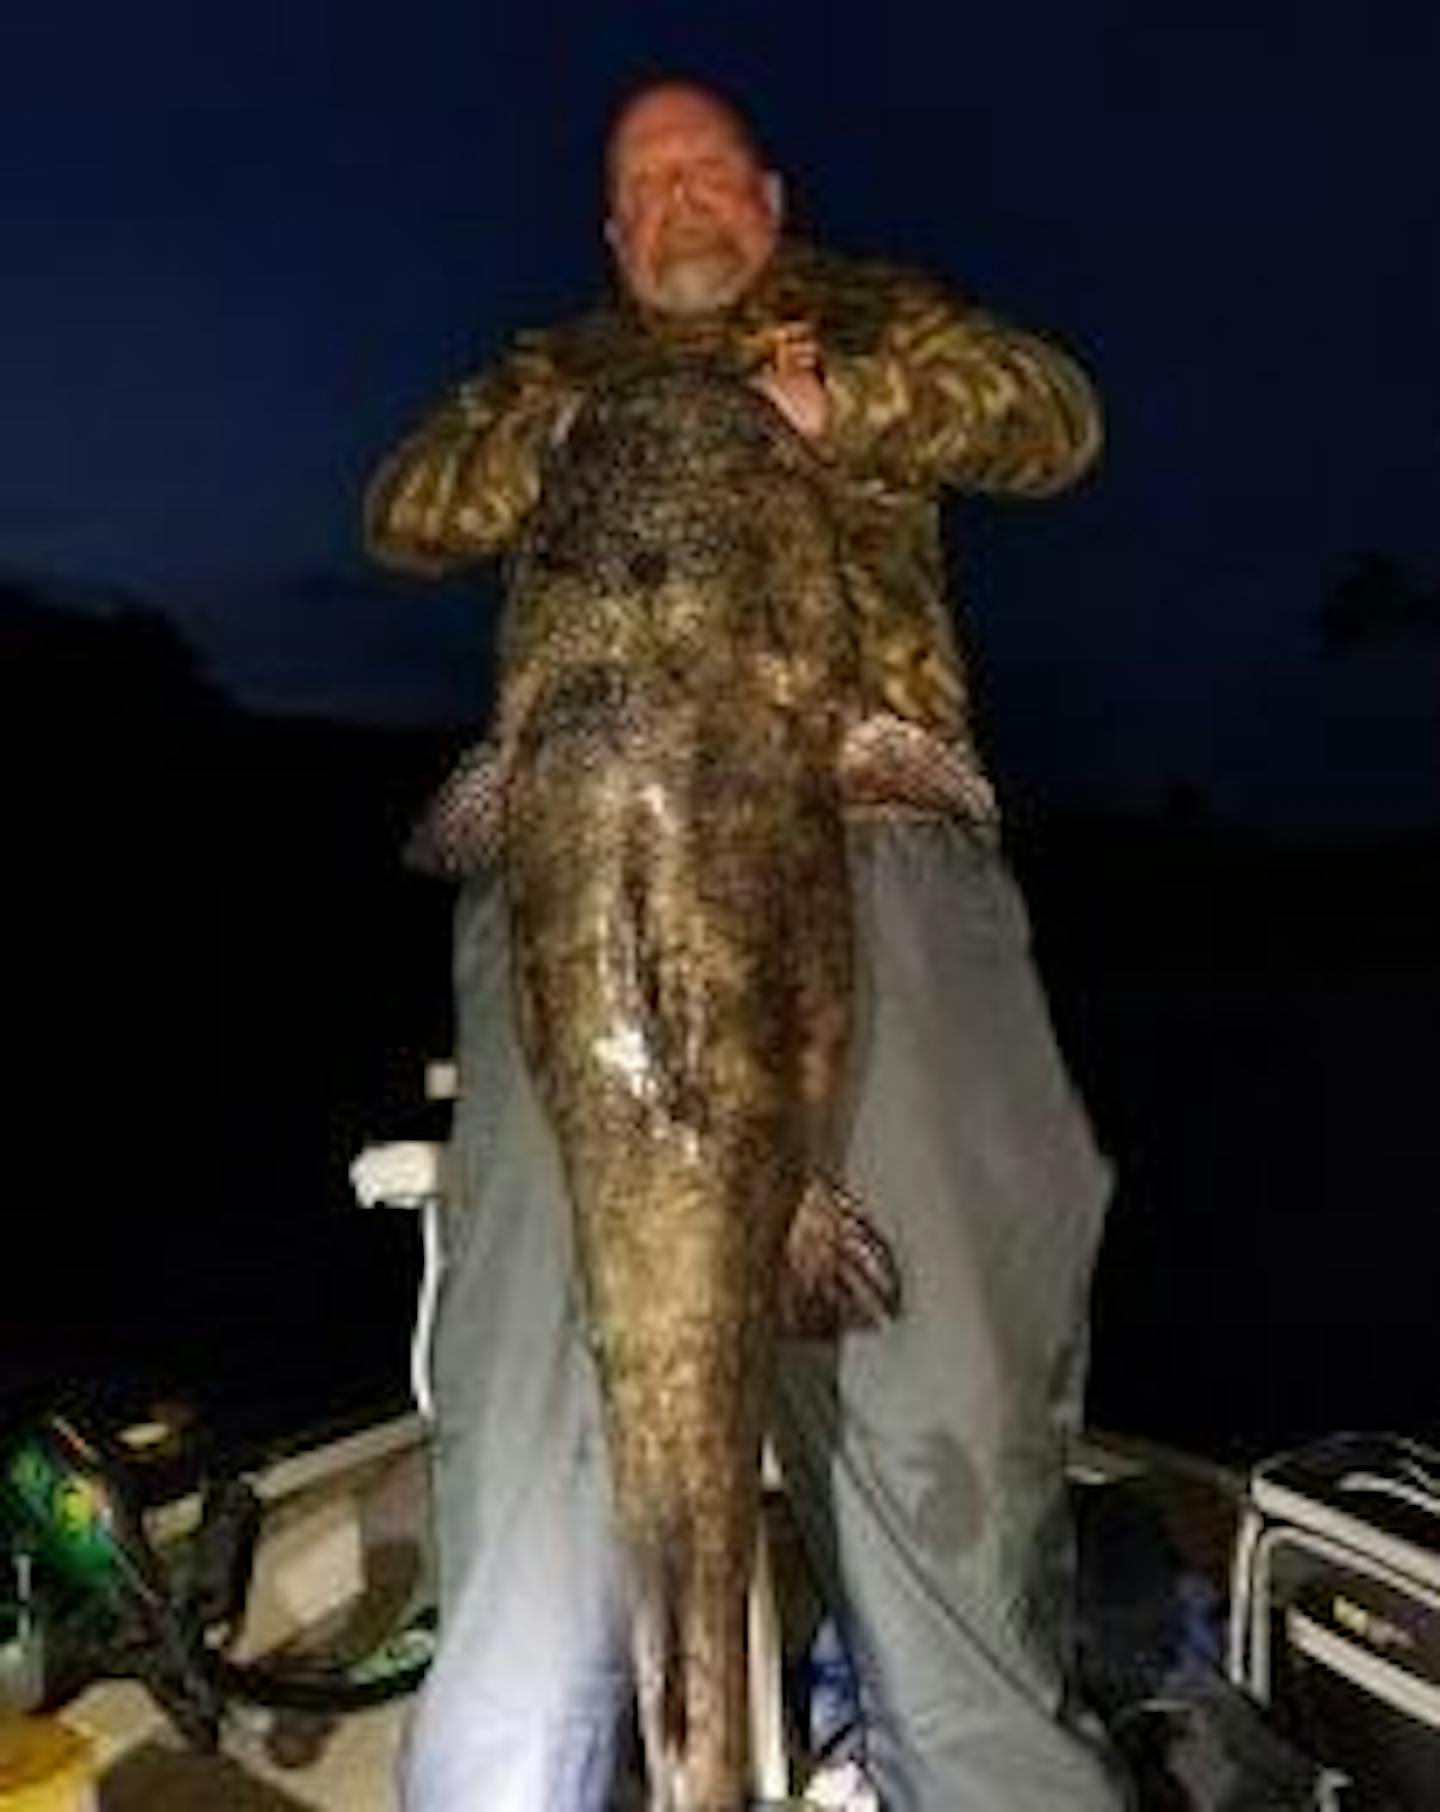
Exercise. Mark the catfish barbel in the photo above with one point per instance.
(678, 670)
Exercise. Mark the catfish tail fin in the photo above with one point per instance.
(659, 1660)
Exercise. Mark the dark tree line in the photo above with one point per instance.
(1376, 599)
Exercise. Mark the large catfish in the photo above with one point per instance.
(678, 669)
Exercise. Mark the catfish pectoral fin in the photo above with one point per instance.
(839, 1272)
(886, 760)
(462, 828)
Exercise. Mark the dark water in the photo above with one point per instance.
(1253, 1020)
(1271, 1262)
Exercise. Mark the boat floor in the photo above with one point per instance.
(147, 1768)
(283, 1763)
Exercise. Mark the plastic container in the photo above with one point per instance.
(45, 1766)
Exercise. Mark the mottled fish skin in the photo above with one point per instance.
(677, 666)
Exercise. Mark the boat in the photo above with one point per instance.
(343, 1555)
(322, 1620)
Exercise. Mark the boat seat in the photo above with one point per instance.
(409, 1174)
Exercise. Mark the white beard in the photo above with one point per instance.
(694, 282)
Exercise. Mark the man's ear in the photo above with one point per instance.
(774, 192)
(611, 232)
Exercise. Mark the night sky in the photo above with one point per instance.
(246, 245)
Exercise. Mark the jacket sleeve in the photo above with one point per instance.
(953, 396)
(458, 487)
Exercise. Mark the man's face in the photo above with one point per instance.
(693, 216)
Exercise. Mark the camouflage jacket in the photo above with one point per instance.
(926, 392)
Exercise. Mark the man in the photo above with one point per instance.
(924, 1462)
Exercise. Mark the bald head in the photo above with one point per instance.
(694, 215)
(661, 105)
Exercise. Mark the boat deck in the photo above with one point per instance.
(353, 1515)
(149, 1770)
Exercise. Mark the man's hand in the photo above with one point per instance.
(565, 413)
(794, 380)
